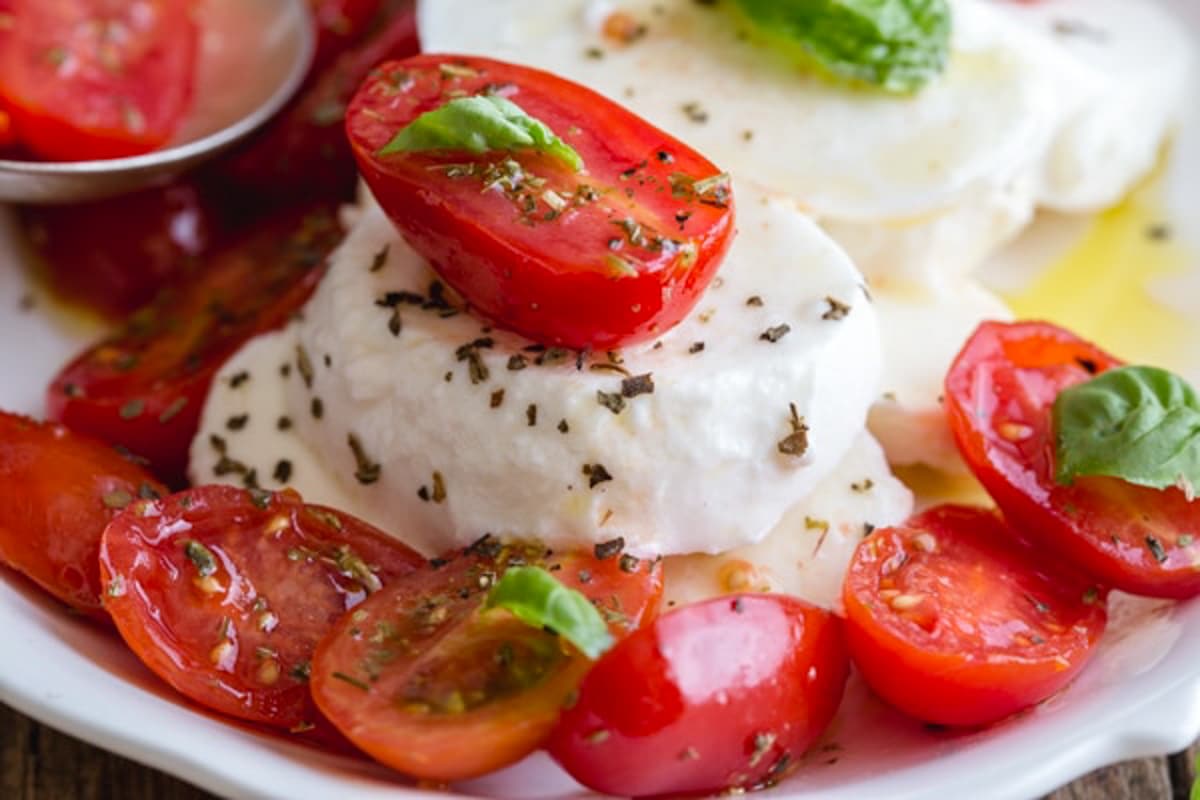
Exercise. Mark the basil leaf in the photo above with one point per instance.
(1139, 424)
(536, 598)
(481, 124)
(894, 45)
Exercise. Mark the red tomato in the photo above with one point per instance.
(425, 681)
(58, 491)
(339, 23)
(224, 593)
(144, 388)
(724, 694)
(999, 394)
(619, 254)
(955, 621)
(304, 151)
(116, 255)
(91, 79)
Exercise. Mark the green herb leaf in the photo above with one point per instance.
(481, 124)
(894, 45)
(536, 598)
(1139, 424)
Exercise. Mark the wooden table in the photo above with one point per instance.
(37, 763)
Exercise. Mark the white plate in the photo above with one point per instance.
(1140, 697)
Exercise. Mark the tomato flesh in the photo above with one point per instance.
(725, 694)
(224, 593)
(954, 620)
(612, 256)
(1000, 394)
(425, 681)
(59, 491)
(144, 388)
(96, 79)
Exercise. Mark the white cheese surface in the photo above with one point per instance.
(1123, 71)
(808, 552)
(924, 330)
(451, 451)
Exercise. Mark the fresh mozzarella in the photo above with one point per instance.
(923, 332)
(908, 185)
(808, 552)
(461, 430)
(1122, 70)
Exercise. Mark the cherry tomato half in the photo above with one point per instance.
(725, 694)
(954, 620)
(144, 388)
(58, 491)
(610, 256)
(224, 593)
(427, 682)
(116, 255)
(92, 79)
(1000, 393)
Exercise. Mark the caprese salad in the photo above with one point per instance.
(565, 432)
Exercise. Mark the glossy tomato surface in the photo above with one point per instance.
(612, 255)
(425, 680)
(58, 491)
(95, 79)
(954, 620)
(116, 255)
(224, 593)
(1000, 393)
(724, 694)
(144, 387)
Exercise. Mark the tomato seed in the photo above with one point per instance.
(906, 602)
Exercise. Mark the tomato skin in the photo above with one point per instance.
(92, 79)
(144, 387)
(386, 674)
(339, 23)
(277, 577)
(722, 694)
(60, 490)
(116, 255)
(1000, 393)
(303, 152)
(625, 261)
(954, 620)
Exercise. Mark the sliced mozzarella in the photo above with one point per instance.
(923, 331)
(896, 179)
(459, 443)
(1123, 73)
(808, 552)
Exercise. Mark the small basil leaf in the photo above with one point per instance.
(481, 124)
(894, 45)
(535, 597)
(1139, 424)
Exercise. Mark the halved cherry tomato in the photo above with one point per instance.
(116, 255)
(425, 681)
(90, 79)
(304, 152)
(58, 491)
(610, 256)
(144, 388)
(724, 694)
(224, 593)
(999, 395)
(955, 620)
